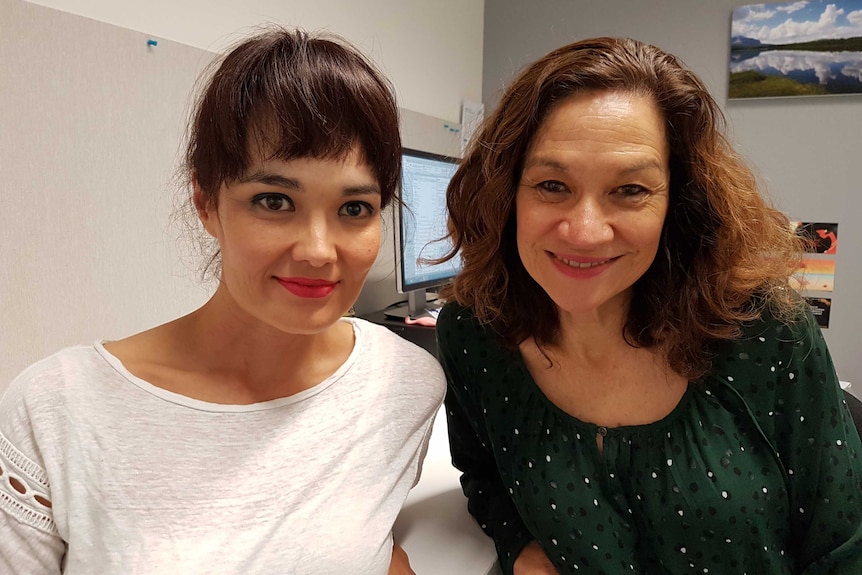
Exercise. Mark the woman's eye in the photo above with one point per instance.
(632, 191)
(273, 202)
(356, 210)
(553, 186)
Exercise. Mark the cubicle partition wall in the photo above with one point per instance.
(91, 118)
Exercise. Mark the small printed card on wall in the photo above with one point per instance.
(820, 238)
(820, 308)
(816, 272)
(472, 114)
(814, 275)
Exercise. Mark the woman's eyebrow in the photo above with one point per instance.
(294, 184)
(272, 180)
(366, 190)
(544, 162)
(647, 164)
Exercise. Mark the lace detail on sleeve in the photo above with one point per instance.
(24, 489)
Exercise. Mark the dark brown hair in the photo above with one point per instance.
(724, 252)
(292, 94)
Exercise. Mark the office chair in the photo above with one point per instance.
(855, 406)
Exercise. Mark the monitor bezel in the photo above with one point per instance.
(399, 229)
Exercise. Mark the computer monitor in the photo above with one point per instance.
(420, 225)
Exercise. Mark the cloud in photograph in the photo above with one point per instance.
(821, 64)
(792, 7)
(790, 22)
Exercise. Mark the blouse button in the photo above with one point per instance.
(603, 431)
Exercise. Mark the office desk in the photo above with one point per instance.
(425, 337)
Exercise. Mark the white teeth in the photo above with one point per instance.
(582, 266)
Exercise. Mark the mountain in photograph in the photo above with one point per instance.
(744, 42)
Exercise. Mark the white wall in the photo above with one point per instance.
(806, 150)
(431, 50)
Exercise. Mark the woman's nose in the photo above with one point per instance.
(315, 243)
(585, 223)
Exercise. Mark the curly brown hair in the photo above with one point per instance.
(725, 252)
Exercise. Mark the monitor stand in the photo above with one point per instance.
(417, 305)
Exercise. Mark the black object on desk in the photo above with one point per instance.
(855, 406)
(423, 336)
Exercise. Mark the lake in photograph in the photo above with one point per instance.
(794, 73)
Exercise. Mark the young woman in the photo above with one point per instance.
(262, 433)
(633, 387)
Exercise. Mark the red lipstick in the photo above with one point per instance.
(581, 267)
(307, 287)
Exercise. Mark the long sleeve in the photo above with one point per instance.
(823, 452)
(29, 543)
(25, 550)
(800, 409)
(488, 500)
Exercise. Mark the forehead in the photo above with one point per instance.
(260, 156)
(268, 139)
(602, 122)
(313, 178)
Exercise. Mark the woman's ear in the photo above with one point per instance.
(206, 207)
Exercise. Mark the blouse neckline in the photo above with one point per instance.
(680, 408)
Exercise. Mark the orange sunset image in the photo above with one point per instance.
(814, 275)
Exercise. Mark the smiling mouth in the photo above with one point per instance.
(582, 265)
(307, 282)
(307, 287)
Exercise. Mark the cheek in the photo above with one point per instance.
(650, 229)
(529, 249)
(245, 247)
(532, 225)
(646, 240)
(250, 250)
(363, 249)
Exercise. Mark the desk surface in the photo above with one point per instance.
(425, 337)
(434, 527)
(381, 318)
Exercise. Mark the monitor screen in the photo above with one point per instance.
(422, 221)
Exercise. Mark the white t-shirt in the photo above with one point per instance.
(143, 480)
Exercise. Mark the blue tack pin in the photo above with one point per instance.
(152, 43)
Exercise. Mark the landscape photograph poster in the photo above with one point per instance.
(806, 48)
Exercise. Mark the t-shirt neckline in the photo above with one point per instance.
(201, 405)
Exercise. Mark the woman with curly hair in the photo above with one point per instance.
(633, 387)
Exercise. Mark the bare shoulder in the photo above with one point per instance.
(142, 352)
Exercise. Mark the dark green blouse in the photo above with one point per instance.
(757, 471)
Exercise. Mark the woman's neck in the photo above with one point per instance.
(591, 337)
(245, 349)
(220, 355)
